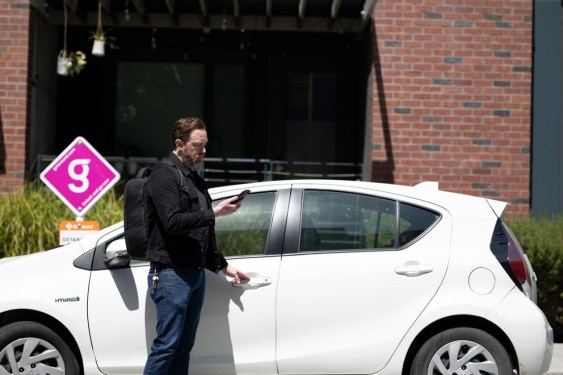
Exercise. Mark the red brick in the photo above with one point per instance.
(472, 80)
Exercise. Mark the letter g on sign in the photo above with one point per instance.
(81, 177)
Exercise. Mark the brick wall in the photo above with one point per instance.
(14, 52)
(452, 96)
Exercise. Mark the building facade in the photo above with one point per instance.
(412, 91)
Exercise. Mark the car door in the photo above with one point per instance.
(357, 270)
(237, 329)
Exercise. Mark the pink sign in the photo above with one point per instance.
(80, 176)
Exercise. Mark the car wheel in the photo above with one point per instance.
(462, 351)
(32, 348)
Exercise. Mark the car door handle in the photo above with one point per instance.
(256, 281)
(413, 269)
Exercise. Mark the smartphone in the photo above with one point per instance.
(241, 195)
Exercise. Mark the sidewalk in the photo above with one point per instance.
(556, 367)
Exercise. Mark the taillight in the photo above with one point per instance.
(510, 255)
(516, 260)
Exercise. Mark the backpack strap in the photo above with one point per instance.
(168, 162)
(144, 172)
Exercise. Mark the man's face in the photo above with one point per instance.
(193, 151)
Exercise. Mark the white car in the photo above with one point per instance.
(346, 278)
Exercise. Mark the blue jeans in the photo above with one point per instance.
(179, 299)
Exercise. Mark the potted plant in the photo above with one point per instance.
(69, 63)
(77, 61)
(99, 48)
(100, 36)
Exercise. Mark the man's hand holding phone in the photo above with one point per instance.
(230, 205)
(241, 196)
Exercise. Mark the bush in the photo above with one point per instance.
(30, 218)
(542, 240)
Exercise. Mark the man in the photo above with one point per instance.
(181, 246)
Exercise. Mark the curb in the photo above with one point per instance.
(556, 367)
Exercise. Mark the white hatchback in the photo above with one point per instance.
(346, 278)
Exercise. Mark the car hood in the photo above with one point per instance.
(11, 259)
(77, 247)
(71, 250)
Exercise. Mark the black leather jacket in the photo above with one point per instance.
(180, 219)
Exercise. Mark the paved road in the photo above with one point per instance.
(556, 367)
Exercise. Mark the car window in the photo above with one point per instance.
(414, 221)
(245, 232)
(339, 221)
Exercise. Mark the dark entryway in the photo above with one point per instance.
(276, 95)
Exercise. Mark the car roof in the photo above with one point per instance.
(428, 191)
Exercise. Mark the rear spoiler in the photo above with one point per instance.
(498, 207)
(428, 185)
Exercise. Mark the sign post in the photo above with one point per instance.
(79, 176)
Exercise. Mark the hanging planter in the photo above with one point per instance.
(99, 48)
(69, 63)
(63, 62)
(100, 37)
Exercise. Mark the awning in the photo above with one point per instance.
(337, 16)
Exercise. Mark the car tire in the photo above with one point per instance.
(30, 348)
(476, 351)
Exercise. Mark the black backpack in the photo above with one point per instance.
(135, 212)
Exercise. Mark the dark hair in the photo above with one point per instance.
(184, 127)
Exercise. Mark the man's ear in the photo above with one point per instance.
(178, 143)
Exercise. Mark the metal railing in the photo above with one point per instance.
(239, 170)
(226, 171)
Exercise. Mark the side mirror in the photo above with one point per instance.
(117, 255)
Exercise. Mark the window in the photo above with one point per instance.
(335, 221)
(149, 97)
(342, 221)
(414, 221)
(245, 232)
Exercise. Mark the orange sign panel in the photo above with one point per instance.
(70, 231)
